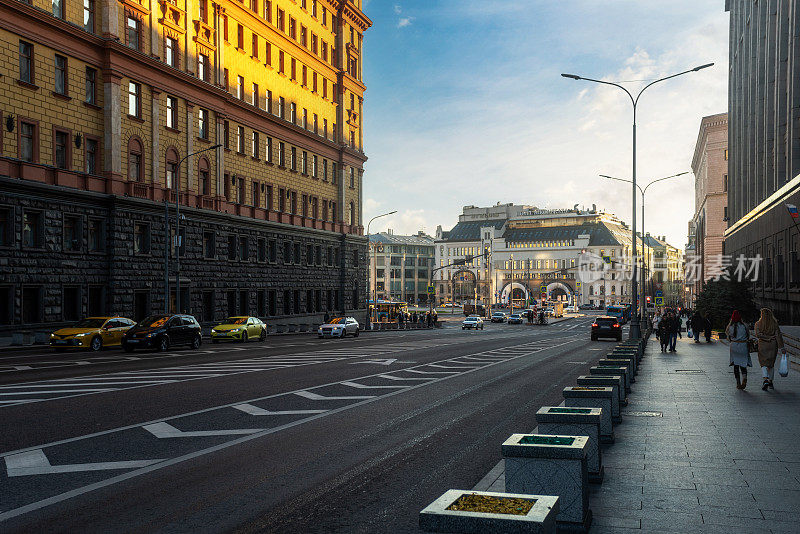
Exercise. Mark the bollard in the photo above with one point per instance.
(620, 362)
(561, 421)
(593, 397)
(551, 465)
(612, 370)
(610, 381)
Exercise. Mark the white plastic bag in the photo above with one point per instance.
(783, 367)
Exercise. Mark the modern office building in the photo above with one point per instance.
(104, 107)
(533, 254)
(764, 148)
(710, 220)
(400, 267)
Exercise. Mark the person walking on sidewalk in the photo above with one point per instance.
(674, 329)
(738, 335)
(698, 325)
(769, 341)
(663, 332)
(656, 322)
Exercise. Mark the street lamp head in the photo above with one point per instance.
(392, 212)
(571, 76)
(702, 67)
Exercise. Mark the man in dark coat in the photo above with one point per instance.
(698, 325)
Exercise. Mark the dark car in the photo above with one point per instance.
(160, 332)
(606, 326)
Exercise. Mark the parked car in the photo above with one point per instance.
(606, 326)
(499, 317)
(586, 307)
(473, 321)
(339, 327)
(239, 329)
(515, 319)
(161, 332)
(92, 333)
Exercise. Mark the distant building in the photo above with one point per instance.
(667, 271)
(764, 141)
(710, 220)
(400, 267)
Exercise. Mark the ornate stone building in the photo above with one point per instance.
(104, 106)
(400, 267)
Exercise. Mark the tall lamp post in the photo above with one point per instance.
(374, 300)
(635, 332)
(178, 242)
(643, 191)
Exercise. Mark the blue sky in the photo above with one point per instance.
(465, 105)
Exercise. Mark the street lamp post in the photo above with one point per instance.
(374, 268)
(178, 242)
(642, 192)
(635, 332)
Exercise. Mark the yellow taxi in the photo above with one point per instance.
(239, 329)
(92, 333)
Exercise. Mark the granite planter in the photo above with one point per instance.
(541, 518)
(563, 421)
(628, 364)
(593, 397)
(551, 465)
(613, 381)
(619, 359)
(625, 353)
(613, 370)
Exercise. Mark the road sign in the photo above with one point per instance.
(431, 290)
(659, 293)
(659, 301)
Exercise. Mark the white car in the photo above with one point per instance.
(472, 321)
(499, 317)
(339, 327)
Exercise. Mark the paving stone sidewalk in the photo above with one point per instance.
(717, 460)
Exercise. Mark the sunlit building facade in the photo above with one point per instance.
(102, 105)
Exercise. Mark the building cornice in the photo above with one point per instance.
(790, 188)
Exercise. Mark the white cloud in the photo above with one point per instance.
(404, 21)
(397, 9)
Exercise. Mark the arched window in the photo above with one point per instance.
(351, 214)
(171, 168)
(203, 185)
(135, 160)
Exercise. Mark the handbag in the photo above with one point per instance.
(752, 345)
(689, 333)
(783, 367)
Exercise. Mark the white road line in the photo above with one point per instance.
(35, 462)
(450, 366)
(255, 410)
(86, 384)
(317, 397)
(428, 372)
(362, 386)
(54, 391)
(165, 431)
(390, 377)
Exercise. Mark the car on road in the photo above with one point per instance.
(499, 317)
(606, 326)
(515, 318)
(163, 331)
(91, 333)
(242, 329)
(473, 321)
(339, 327)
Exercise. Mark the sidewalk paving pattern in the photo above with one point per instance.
(717, 460)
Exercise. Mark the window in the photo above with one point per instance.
(287, 302)
(91, 86)
(141, 238)
(208, 305)
(6, 229)
(269, 197)
(297, 253)
(202, 123)
(325, 128)
(255, 46)
(292, 28)
(226, 135)
(724, 182)
(334, 179)
(305, 118)
(209, 245)
(132, 28)
(293, 162)
(203, 7)
(304, 162)
(26, 62)
(240, 37)
(304, 206)
(226, 80)
(172, 112)
(171, 169)
(72, 233)
(244, 252)
(58, 8)
(134, 99)
(231, 302)
(314, 208)
(281, 155)
(97, 235)
(32, 229)
(314, 166)
(324, 51)
(281, 62)
(303, 36)
(240, 139)
(352, 178)
(203, 177)
(294, 69)
(268, 150)
(725, 213)
(273, 251)
(316, 127)
(293, 113)
(287, 252)
(88, 15)
(281, 107)
(202, 67)
(31, 304)
(135, 166)
(281, 20)
(325, 88)
(61, 149)
(60, 73)
(267, 53)
(171, 52)
(255, 95)
(268, 101)
(240, 87)
(232, 247)
(726, 154)
(262, 251)
(268, 10)
(256, 144)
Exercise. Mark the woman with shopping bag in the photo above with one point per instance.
(739, 335)
(770, 341)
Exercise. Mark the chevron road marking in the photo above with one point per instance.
(255, 410)
(362, 386)
(390, 377)
(318, 397)
(165, 430)
(35, 462)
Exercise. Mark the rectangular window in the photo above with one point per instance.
(91, 86)
(132, 32)
(268, 10)
(232, 247)
(88, 15)
(97, 235)
(304, 162)
(262, 250)
(316, 126)
(141, 238)
(240, 87)
(268, 150)
(26, 62)
(60, 74)
(32, 229)
(325, 128)
(202, 67)
(240, 37)
(255, 45)
(31, 304)
(305, 118)
(294, 69)
(256, 144)
(209, 245)
(172, 112)
(314, 166)
(58, 8)
(91, 156)
(269, 197)
(293, 161)
(273, 251)
(268, 101)
(202, 123)
(724, 182)
(267, 53)
(324, 170)
(61, 148)
(240, 139)
(244, 252)
(134, 166)
(281, 62)
(281, 107)
(204, 182)
(226, 78)
(287, 252)
(281, 20)
(208, 305)
(304, 206)
(203, 9)
(292, 28)
(72, 233)
(171, 52)
(134, 99)
(231, 302)
(226, 135)
(303, 36)
(293, 211)
(293, 113)
(281, 155)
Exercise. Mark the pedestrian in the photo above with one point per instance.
(327, 317)
(656, 322)
(663, 332)
(738, 335)
(674, 329)
(769, 341)
(698, 325)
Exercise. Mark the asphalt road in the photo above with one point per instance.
(293, 435)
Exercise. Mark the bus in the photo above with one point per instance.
(621, 313)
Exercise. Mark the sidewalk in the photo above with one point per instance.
(717, 459)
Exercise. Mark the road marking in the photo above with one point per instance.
(35, 462)
(318, 397)
(165, 430)
(433, 372)
(255, 410)
(387, 361)
(390, 377)
(450, 366)
(577, 362)
(53, 391)
(362, 386)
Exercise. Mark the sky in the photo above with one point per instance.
(465, 105)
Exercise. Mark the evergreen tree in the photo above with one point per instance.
(719, 298)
